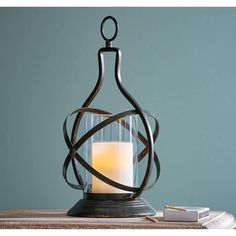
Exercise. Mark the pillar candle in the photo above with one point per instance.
(114, 160)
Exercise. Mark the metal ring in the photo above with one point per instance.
(102, 28)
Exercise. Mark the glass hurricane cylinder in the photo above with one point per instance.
(113, 152)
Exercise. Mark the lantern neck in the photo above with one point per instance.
(101, 64)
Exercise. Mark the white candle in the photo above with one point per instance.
(114, 160)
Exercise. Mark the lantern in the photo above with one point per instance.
(111, 154)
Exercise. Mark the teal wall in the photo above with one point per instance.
(179, 63)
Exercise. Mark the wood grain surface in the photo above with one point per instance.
(57, 219)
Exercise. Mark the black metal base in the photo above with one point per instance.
(111, 208)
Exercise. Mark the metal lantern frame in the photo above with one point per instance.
(117, 204)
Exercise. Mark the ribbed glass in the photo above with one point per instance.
(113, 152)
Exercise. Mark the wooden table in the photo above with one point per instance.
(57, 219)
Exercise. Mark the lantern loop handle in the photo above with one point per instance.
(109, 39)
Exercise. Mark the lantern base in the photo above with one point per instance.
(111, 208)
